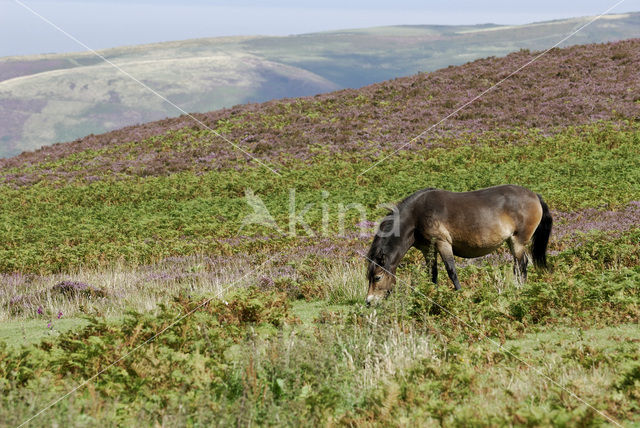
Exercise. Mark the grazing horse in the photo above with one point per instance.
(466, 224)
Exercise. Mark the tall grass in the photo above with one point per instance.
(109, 290)
(344, 282)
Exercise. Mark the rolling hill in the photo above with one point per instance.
(51, 98)
(570, 86)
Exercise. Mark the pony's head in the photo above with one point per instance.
(381, 280)
(381, 270)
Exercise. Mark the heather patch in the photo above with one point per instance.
(587, 220)
(34, 300)
(71, 289)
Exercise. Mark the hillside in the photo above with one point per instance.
(50, 98)
(188, 285)
(570, 86)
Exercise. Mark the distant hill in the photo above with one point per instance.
(566, 87)
(50, 98)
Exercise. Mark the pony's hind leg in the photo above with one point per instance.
(520, 259)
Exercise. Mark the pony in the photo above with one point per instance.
(464, 224)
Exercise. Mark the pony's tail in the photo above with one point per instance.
(541, 237)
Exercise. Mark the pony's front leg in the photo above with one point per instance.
(446, 252)
(434, 266)
(431, 259)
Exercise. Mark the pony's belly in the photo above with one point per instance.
(471, 251)
(480, 240)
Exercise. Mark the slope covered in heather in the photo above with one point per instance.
(571, 86)
(50, 98)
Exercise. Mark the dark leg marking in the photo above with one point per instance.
(434, 266)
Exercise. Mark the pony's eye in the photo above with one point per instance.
(377, 278)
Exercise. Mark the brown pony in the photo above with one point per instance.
(466, 224)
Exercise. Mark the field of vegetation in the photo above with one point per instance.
(127, 261)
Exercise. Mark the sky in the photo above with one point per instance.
(102, 24)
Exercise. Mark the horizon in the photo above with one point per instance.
(93, 22)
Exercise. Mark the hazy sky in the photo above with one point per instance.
(108, 23)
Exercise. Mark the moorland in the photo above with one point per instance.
(135, 243)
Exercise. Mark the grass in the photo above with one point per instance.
(343, 284)
(510, 392)
(16, 333)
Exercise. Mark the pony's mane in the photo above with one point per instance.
(382, 246)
